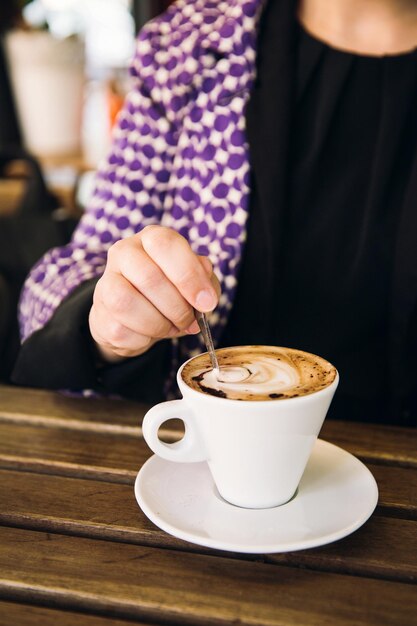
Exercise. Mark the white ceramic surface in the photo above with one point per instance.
(256, 451)
(336, 495)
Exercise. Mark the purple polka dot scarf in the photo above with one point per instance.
(179, 158)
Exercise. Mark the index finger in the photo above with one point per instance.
(172, 253)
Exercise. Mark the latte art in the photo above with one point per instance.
(229, 374)
(264, 376)
(259, 373)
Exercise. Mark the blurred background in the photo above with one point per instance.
(63, 77)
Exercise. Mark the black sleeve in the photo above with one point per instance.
(61, 355)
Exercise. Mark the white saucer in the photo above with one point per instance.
(336, 495)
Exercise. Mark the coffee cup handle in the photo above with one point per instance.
(190, 449)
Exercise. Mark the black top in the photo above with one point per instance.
(332, 167)
(352, 144)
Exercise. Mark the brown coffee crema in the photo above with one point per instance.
(270, 373)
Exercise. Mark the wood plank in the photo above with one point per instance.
(397, 490)
(82, 507)
(165, 585)
(15, 614)
(114, 456)
(382, 548)
(375, 443)
(37, 406)
(371, 442)
(117, 458)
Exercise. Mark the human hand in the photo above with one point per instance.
(149, 288)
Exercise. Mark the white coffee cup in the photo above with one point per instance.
(256, 450)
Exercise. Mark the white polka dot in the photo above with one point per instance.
(190, 65)
(142, 198)
(236, 105)
(163, 40)
(222, 157)
(162, 75)
(230, 281)
(234, 196)
(206, 195)
(159, 144)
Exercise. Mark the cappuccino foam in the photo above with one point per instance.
(259, 373)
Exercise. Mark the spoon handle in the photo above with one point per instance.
(205, 331)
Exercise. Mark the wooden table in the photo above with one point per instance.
(75, 548)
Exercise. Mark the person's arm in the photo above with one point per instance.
(62, 355)
(129, 195)
(146, 280)
(57, 349)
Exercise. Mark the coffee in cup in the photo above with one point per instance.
(258, 373)
(255, 426)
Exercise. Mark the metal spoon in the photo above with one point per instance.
(220, 377)
(205, 331)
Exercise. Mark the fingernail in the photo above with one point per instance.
(205, 300)
(193, 328)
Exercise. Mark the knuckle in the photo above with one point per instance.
(116, 333)
(125, 353)
(115, 250)
(187, 280)
(150, 234)
(154, 236)
(138, 348)
(181, 316)
(97, 294)
(160, 328)
(118, 300)
(121, 252)
(94, 323)
(150, 279)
